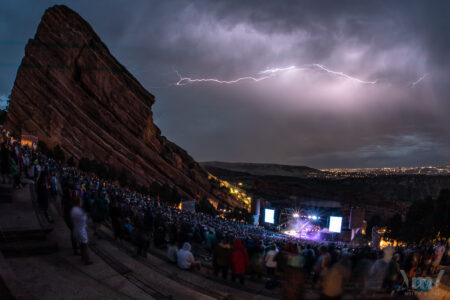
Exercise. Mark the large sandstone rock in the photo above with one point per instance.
(73, 92)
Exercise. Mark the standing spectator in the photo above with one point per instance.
(379, 269)
(257, 260)
(158, 237)
(210, 240)
(322, 264)
(293, 275)
(140, 236)
(438, 254)
(270, 261)
(310, 258)
(239, 261)
(115, 215)
(222, 258)
(99, 211)
(43, 194)
(79, 220)
(392, 273)
(4, 151)
(54, 185)
(67, 204)
(333, 280)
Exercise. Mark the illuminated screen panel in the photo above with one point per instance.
(335, 224)
(269, 216)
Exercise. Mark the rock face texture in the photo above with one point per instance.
(73, 92)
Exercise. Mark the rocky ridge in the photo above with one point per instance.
(71, 91)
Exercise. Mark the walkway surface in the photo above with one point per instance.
(19, 213)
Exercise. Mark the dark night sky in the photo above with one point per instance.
(304, 115)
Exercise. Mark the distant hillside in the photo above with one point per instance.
(382, 195)
(263, 169)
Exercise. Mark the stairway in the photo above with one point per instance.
(22, 230)
(5, 194)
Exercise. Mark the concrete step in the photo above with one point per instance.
(27, 248)
(23, 234)
(5, 195)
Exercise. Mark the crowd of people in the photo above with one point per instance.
(193, 241)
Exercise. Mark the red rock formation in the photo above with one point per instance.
(73, 92)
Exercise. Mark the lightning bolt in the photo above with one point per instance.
(343, 74)
(413, 85)
(187, 80)
(276, 70)
(268, 73)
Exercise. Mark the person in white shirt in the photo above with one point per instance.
(270, 261)
(185, 258)
(79, 221)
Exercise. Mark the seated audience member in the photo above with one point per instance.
(185, 258)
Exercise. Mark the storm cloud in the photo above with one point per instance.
(303, 116)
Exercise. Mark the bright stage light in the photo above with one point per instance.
(314, 217)
(296, 215)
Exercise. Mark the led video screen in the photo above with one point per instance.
(335, 224)
(269, 216)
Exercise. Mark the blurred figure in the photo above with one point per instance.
(322, 265)
(257, 261)
(99, 211)
(140, 236)
(310, 258)
(79, 220)
(115, 215)
(222, 258)
(43, 194)
(378, 271)
(172, 251)
(392, 274)
(334, 279)
(293, 273)
(4, 154)
(67, 204)
(54, 185)
(438, 254)
(239, 261)
(270, 261)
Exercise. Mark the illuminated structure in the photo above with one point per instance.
(29, 139)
